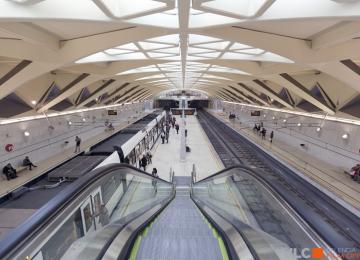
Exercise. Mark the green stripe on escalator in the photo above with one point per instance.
(222, 246)
(135, 248)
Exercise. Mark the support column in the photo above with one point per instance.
(182, 138)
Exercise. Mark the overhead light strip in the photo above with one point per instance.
(55, 114)
(323, 117)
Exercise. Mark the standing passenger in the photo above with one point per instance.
(271, 136)
(155, 175)
(149, 157)
(144, 163)
(263, 133)
(177, 128)
(162, 136)
(77, 143)
(255, 128)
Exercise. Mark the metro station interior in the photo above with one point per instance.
(180, 129)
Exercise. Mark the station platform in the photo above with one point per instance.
(320, 172)
(26, 175)
(202, 154)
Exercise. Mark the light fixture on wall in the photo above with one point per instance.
(284, 120)
(345, 136)
(33, 102)
(318, 129)
(84, 119)
(299, 124)
(69, 123)
(273, 118)
(264, 115)
(27, 133)
(26, 2)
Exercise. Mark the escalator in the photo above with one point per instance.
(119, 212)
(180, 231)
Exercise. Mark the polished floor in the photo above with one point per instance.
(202, 154)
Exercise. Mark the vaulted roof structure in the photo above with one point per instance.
(300, 55)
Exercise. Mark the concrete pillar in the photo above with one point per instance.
(182, 138)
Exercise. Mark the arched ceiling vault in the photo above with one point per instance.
(299, 55)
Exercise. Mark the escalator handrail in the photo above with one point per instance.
(277, 194)
(224, 171)
(42, 216)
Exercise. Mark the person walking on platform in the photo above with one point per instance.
(162, 136)
(28, 163)
(177, 127)
(154, 181)
(167, 137)
(9, 172)
(144, 163)
(263, 133)
(77, 144)
(167, 128)
(149, 157)
(154, 172)
(271, 136)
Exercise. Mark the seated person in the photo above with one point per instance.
(9, 172)
(28, 163)
(110, 127)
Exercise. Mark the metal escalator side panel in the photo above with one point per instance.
(120, 246)
(266, 221)
(80, 210)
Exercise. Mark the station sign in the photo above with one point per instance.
(112, 112)
(255, 113)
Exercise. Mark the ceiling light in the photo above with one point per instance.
(345, 136)
(70, 123)
(33, 102)
(122, 10)
(264, 114)
(55, 114)
(284, 120)
(318, 129)
(299, 124)
(28, 2)
(273, 118)
(84, 119)
(245, 9)
(26, 133)
(299, 113)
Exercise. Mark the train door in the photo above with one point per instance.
(90, 211)
(97, 202)
(87, 216)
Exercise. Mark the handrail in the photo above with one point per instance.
(40, 218)
(193, 174)
(296, 215)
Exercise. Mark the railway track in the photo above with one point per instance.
(335, 224)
